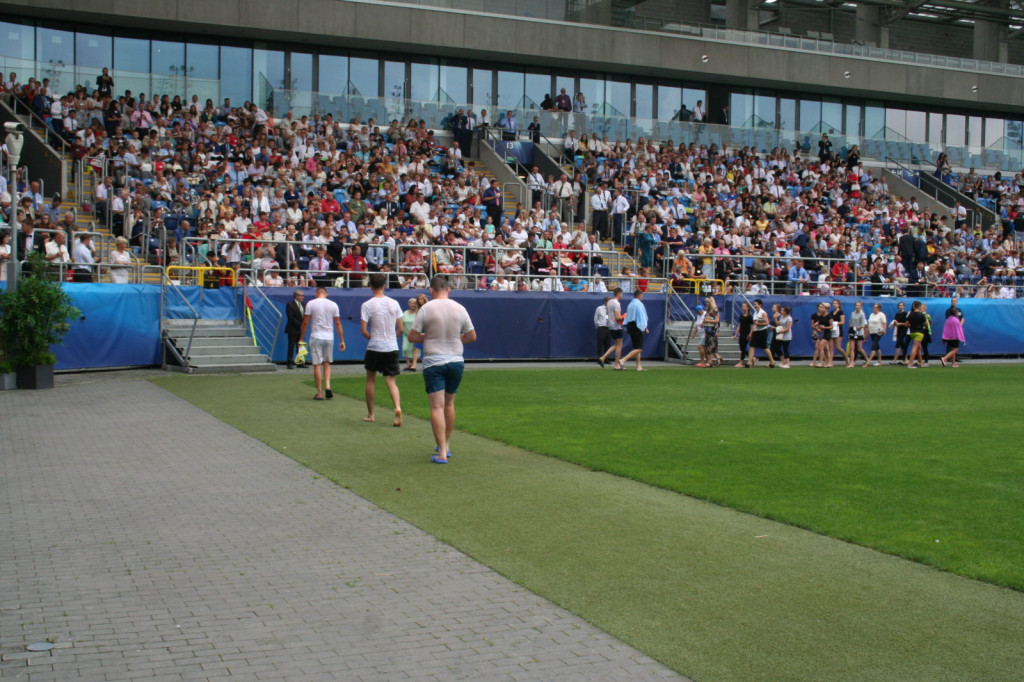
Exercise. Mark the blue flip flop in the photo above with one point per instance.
(435, 460)
(449, 452)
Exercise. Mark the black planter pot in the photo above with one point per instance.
(35, 376)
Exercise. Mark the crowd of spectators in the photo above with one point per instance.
(295, 200)
(778, 222)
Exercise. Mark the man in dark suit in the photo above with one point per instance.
(460, 130)
(906, 249)
(294, 312)
(28, 240)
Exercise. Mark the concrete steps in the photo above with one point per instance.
(217, 346)
(728, 347)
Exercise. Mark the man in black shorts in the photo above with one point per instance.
(381, 322)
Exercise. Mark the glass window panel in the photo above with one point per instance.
(851, 126)
(17, 41)
(832, 116)
(644, 100)
(669, 101)
(301, 71)
(168, 58)
(93, 50)
(424, 82)
(394, 79)
(92, 54)
(56, 47)
(235, 74)
(56, 51)
(593, 92)
(956, 130)
(267, 76)
(994, 132)
(483, 89)
(874, 122)
(131, 54)
(203, 61)
(616, 98)
(268, 64)
(787, 114)
(333, 74)
(741, 108)
(454, 86)
(300, 81)
(537, 85)
(363, 77)
(510, 90)
(810, 116)
(935, 129)
(764, 112)
(974, 131)
(895, 124)
(916, 126)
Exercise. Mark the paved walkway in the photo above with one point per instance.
(148, 540)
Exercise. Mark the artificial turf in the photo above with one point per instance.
(716, 594)
(926, 465)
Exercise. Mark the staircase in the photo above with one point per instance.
(211, 346)
(680, 325)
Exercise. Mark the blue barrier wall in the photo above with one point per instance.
(121, 324)
(521, 325)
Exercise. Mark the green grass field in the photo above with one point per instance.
(925, 465)
(881, 457)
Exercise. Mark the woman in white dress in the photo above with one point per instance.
(120, 262)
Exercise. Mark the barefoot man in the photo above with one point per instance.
(381, 321)
(443, 326)
(324, 313)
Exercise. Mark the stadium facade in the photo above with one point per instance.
(509, 54)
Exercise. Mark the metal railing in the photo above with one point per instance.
(169, 290)
(196, 274)
(264, 317)
(848, 280)
(679, 324)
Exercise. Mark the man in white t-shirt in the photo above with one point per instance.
(321, 314)
(442, 325)
(381, 321)
(615, 318)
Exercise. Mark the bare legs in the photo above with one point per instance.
(635, 353)
(442, 421)
(322, 378)
(371, 392)
(617, 349)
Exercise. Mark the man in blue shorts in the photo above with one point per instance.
(443, 326)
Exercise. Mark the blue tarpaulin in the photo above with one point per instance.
(121, 325)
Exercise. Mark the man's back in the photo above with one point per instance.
(380, 315)
(321, 313)
(614, 311)
(443, 321)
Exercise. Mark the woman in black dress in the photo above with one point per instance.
(742, 333)
(821, 329)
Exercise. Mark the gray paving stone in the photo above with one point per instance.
(150, 541)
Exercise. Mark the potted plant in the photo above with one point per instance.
(8, 379)
(33, 317)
